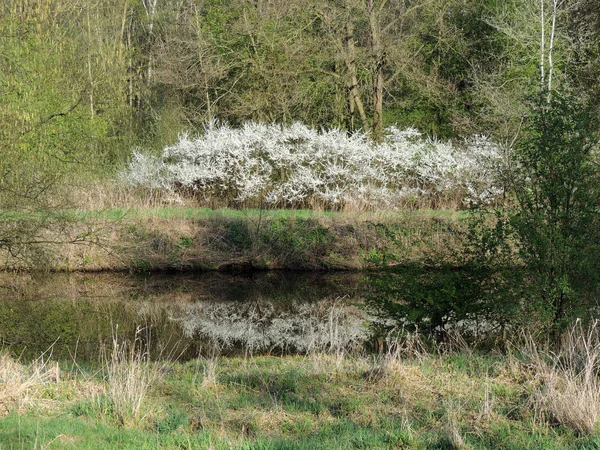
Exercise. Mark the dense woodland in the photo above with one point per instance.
(83, 82)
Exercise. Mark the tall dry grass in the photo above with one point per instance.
(127, 372)
(560, 384)
(570, 389)
(562, 381)
(129, 375)
(98, 195)
(20, 385)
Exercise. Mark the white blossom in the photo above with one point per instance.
(289, 165)
(258, 326)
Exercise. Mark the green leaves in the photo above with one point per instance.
(556, 220)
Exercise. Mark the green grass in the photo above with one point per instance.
(321, 401)
(65, 431)
(173, 212)
(181, 212)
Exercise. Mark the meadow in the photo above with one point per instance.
(415, 394)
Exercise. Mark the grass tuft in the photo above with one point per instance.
(129, 375)
(21, 385)
(570, 388)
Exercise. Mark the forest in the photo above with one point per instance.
(89, 86)
(85, 82)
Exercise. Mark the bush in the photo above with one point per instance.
(554, 220)
(557, 217)
(297, 166)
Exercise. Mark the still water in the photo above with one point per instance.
(182, 316)
(74, 316)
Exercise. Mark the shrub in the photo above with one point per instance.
(275, 165)
(555, 220)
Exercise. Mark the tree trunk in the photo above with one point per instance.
(378, 101)
(89, 65)
(150, 8)
(354, 91)
(377, 71)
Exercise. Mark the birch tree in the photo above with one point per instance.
(150, 9)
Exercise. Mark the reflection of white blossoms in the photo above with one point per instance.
(289, 165)
(259, 325)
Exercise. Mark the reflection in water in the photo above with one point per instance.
(181, 315)
(260, 325)
(438, 301)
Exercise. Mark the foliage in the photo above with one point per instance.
(296, 165)
(438, 302)
(555, 219)
(535, 258)
(543, 242)
(55, 126)
(137, 76)
(61, 109)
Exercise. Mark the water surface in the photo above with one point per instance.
(180, 316)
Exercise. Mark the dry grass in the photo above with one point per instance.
(454, 416)
(99, 195)
(21, 385)
(451, 396)
(129, 375)
(127, 372)
(395, 350)
(210, 367)
(119, 229)
(106, 194)
(569, 391)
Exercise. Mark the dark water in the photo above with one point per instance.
(76, 316)
(181, 316)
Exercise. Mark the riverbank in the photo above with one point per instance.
(412, 396)
(197, 239)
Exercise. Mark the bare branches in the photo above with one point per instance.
(551, 48)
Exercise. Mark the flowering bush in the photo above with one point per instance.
(297, 166)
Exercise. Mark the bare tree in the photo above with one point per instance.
(150, 9)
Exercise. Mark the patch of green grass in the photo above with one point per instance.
(184, 212)
(61, 432)
(174, 212)
(345, 434)
(439, 401)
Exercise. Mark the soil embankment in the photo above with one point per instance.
(246, 241)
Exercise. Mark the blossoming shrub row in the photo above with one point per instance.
(283, 166)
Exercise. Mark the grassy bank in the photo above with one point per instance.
(183, 238)
(408, 397)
